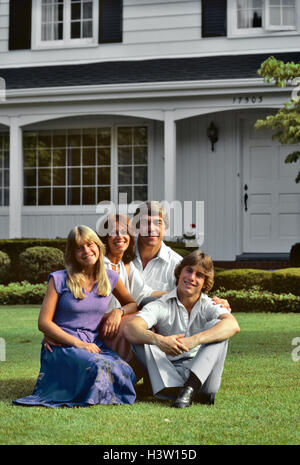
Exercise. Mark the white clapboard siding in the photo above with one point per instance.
(56, 224)
(4, 225)
(151, 28)
(4, 21)
(162, 8)
(209, 176)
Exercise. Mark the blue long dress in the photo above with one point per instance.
(70, 376)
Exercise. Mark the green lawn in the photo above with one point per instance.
(258, 402)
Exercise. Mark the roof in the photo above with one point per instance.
(139, 71)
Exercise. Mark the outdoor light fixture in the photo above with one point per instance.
(212, 134)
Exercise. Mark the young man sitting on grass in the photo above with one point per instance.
(189, 345)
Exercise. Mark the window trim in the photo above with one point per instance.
(265, 31)
(66, 42)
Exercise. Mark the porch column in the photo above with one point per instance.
(170, 157)
(15, 179)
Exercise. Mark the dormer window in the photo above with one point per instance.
(46, 24)
(260, 17)
(65, 23)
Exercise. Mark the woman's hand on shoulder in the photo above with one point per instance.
(223, 302)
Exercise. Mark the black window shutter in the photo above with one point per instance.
(214, 18)
(110, 21)
(19, 24)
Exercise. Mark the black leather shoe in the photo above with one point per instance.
(203, 398)
(185, 397)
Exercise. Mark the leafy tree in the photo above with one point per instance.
(286, 122)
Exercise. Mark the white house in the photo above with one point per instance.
(104, 97)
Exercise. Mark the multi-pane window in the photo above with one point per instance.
(133, 163)
(81, 19)
(280, 13)
(67, 167)
(63, 22)
(75, 166)
(249, 13)
(261, 16)
(4, 169)
(52, 24)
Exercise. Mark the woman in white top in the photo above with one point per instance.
(120, 247)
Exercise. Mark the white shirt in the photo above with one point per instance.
(135, 284)
(159, 271)
(169, 316)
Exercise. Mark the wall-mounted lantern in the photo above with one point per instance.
(212, 134)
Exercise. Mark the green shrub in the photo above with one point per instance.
(255, 301)
(22, 293)
(5, 267)
(242, 279)
(14, 247)
(37, 262)
(286, 280)
(295, 255)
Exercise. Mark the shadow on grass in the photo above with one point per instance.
(12, 389)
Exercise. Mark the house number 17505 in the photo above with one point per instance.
(245, 100)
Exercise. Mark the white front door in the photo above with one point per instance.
(270, 195)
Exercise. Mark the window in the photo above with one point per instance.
(132, 163)
(77, 166)
(4, 169)
(280, 14)
(65, 22)
(254, 17)
(249, 14)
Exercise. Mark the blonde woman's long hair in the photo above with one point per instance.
(76, 278)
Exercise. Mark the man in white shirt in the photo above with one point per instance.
(189, 345)
(153, 258)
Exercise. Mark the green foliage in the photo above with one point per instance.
(242, 279)
(37, 262)
(180, 248)
(295, 255)
(14, 247)
(254, 301)
(22, 293)
(256, 404)
(286, 122)
(286, 280)
(5, 267)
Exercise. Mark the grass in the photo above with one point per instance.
(258, 402)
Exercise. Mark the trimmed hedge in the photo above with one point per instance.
(37, 262)
(22, 293)
(284, 281)
(240, 301)
(255, 301)
(242, 279)
(295, 255)
(5, 267)
(14, 247)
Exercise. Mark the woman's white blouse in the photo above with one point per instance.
(135, 284)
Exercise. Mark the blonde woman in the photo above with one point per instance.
(81, 370)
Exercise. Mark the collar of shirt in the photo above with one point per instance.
(196, 308)
(163, 253)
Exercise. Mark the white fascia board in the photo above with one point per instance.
(139, 90)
